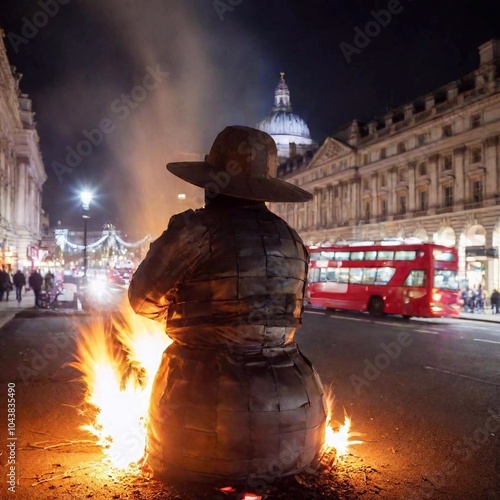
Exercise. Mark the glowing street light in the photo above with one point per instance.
(86, 197)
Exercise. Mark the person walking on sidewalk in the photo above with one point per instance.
(19, 282)
(4, 282)
(35, 282)
(8, 286)
(495, 302)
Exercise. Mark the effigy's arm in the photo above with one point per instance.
(169, 258)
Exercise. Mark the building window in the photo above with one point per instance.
(383, 180)
(477, 191)
(383, 208)
(367, 210)
(422, 169)
(365, 159)
(366, 184)
(423, 200)
(383, 153)
(402, 204)
(401, 147)
(420, 139)
(448, 196)
(475, 121)
(447, 131)
(448, 162)
(402, 175)
(476, 155)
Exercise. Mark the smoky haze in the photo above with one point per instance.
(166, 77)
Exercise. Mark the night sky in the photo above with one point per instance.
(162, 78)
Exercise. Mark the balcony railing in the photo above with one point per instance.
(444, 210)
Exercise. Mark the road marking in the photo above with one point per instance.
(314, 312)
(462, 376)
(351, 319)
(427, 331)
(489, 341)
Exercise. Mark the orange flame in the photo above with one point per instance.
(341, 439)
(118, 360)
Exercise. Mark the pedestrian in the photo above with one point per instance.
(228, 280)
(495, 302)
(48, 280)
(19, 281)
(35, 282)
(4, 282)
(8, 286)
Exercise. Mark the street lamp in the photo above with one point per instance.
(86, 197)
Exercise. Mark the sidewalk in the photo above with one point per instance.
(8, 309)
(482, 316)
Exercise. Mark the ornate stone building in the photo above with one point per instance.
(289, 131)
(428, 169)
(22, 173)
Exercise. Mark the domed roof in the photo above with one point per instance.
(281, 120)
(284, 123)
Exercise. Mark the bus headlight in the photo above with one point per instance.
(436, 296)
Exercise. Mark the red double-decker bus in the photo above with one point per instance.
(407, 279)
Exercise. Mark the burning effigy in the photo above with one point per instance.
(231, 399)
(233, 394)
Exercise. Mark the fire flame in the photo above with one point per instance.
(339, 440)
(118, 359)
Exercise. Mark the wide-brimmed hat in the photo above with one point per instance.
(242, 163)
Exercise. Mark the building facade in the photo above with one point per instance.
(429, 169)
(22, 173)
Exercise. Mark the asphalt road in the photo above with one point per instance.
(425, 395)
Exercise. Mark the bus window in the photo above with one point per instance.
(405, 255)
(322, 275)
(355, 275)
(385, 255)
(445, 279)
(343, 275)
(384, 275)
(369, 275)
(443, 255)
(371, 255)
(415, 278)
(331, 274)
(342, 255)
(314, 275)
(357, 255)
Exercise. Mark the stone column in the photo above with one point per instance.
(461, 179)
(392, 206)
(330, 206)
(434, 187)
(411, 186)
(21, 194)
(373, 195)
(491, 164)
